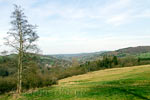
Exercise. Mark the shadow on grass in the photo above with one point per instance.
(128, 92)
(134, 94)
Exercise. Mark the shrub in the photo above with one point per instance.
(7, 84)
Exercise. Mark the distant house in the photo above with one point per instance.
(48, 66)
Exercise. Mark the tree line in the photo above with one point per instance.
(36, 75)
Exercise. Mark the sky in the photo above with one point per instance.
(78, 26)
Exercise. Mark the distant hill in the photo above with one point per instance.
(43, 60)
(129, 51)
(81, 57)
(53, 61)
(65, 60)
(135, 50)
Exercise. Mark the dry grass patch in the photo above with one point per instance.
(104, 75)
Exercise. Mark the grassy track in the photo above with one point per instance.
(130, 83)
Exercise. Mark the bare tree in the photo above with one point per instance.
(21, 37)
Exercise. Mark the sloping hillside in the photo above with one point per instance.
(135, 50)
(81, 57)
(129, 51)
(42, 59)
(130, 83)
(52, 61)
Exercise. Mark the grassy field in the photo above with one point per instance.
(144, 55)
(130, 83)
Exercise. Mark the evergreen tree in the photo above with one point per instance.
(115, 60)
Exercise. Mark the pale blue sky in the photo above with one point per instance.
(74, 26)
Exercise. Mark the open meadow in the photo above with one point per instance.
(129, 83)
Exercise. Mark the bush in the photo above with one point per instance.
(7, 84)
(4, 72)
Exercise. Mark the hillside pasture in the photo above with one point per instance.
(129, 83)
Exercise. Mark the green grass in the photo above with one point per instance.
(130, 83)
(144, 55)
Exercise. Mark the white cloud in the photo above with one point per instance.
(115, 6)
(143, 14)
(65, 28)
(117, 12)
(54, 45)
(118, 19)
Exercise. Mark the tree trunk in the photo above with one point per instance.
(18, 73)
(21, 56)
(20, 62)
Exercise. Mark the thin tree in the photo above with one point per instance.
(21, 37)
